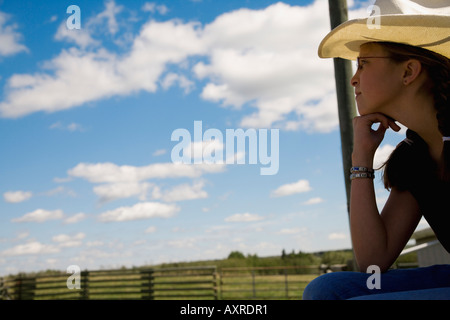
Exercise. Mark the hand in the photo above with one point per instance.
(366, 140)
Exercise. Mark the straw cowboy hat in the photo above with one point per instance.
(421, 23)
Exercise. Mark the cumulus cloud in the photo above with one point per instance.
(113, 191)
(75, 218)
(30, 248)
(112, 173)
(81, 37)
(296, 230)
(9, 37)
(153, 7)
(70, 127)
(65, 240)
(17, 196)
(292, 188)
(243, 217)
(120, 182)
(265, 60)
(40, 215)
(337, 236)
(37, 248)
(143, 210)
(182, 192)
(313, 201)
(382, 154)
(268, 57)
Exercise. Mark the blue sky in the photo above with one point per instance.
(86, 118)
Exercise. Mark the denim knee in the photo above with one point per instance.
(337, 286)
(324, 287)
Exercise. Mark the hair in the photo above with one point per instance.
(438, 70)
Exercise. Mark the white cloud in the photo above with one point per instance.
(292, 188)
(313, 201)
(66, 241)
(80, 37)
(70, 127)
(183, 243)
(112, 173)
(40, 215)
(243, 217)
(159, 152)
(114, 191)
(143, 210)
(33, 247)
(183, 192)
(109, 14)
(266, 59)
(153, 7)
(9, 37)
(75, 218)
(17, 196)
(292, 230)
(269, 58)
(119, 182)
(172, 78)
(382, 154)
(37, 248)
(337, 236)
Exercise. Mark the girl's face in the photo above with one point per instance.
(377, 81)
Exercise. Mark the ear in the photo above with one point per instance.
(412, 70)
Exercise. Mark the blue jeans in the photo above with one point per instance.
(428, 283)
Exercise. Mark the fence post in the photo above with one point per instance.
(25, 288)
(220, 284)
(18, 288)
(148, 284)
(254, 285)
(84, 293)
(286, 283)
(215, 283)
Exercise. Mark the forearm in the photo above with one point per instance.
(369, 232)
(367, 228)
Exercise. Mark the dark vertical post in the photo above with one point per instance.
(345, 95)
(84, 293)
(346, 99)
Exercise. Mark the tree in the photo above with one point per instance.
(236, 255)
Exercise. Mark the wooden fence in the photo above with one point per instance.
(205, 283)
(265, 282)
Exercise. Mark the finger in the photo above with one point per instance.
(394, 126)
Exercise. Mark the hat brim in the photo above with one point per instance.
(431, 32)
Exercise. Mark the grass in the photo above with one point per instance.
(237, 277)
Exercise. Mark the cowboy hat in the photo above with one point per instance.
(421, 23)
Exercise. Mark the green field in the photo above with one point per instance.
(237, 277)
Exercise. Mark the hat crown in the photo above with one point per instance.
(411, 7)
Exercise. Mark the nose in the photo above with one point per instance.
(355, 79)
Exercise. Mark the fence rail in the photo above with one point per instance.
(205, 283)
(265, 282)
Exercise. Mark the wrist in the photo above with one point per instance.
(361, 172)
(362, 161)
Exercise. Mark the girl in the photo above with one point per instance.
(397, 79)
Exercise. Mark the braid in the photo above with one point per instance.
(438, 68)
(441, 93)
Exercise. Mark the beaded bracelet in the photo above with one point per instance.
(361, 172)
(361, 169)
(356, 175)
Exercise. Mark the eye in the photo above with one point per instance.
(360, 63)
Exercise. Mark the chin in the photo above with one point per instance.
(362, 111)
